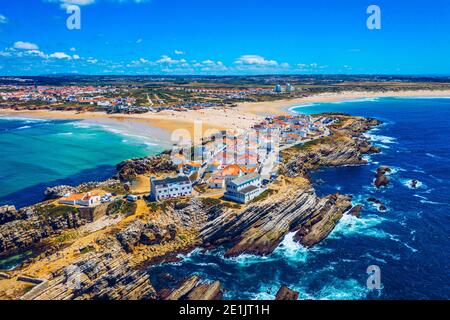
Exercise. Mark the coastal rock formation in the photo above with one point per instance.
(8, 214)
(356, 210)
(148, 234)
(129, 169)
(381, 206)
(261, 227)
(34, 224)
(284, 293)
(106, 275)
(193, 288)
(381, 179)
(347, 146)
(58, 192)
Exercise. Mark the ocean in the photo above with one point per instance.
(38, 153)
(410, 242)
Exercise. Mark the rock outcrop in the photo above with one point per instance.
(58, 192)
(261, 227)
(129, 169)
(356, 210)
(284, 293)
(149, 234)
(32, 224)
(8, 214)
(193, 288)
(381, 179)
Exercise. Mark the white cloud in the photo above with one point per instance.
(60, 55)
(178, 52)
(76, 57)
(168, 60)
(92, 60)
(65, 3)
(255, 60)
(25, 45)
(3, 19)
(73, 49)
(138, 40)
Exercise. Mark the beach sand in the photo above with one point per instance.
(282, 106)
(195, 124)
(162, 125)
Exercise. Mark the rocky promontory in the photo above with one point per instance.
(110, 255)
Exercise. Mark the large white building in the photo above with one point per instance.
(169, 188)
(244, 189)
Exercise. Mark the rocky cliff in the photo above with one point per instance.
(32, 224)
(259, 228)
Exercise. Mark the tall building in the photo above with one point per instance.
(278, 88)
(289, 87)
(169, 188)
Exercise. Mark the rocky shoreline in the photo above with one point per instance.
(111, 254)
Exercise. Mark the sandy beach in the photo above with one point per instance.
(282, 106)
(163, 125)
(195, 124)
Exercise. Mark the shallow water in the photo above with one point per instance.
(38, 153)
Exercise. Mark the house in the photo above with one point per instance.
(169, 188)
(85, 200)
(244, 189)
(231, 172)
(216, 183)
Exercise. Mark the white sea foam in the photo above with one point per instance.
(409, 184)
(24, 127)
(351, 226)
(380, 138)
(340, 289)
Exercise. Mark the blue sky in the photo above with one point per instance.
(224, 37)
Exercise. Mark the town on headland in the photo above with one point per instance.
(241, 181)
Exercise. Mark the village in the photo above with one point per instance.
(235, 167)
(130, 99)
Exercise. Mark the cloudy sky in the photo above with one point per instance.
(224, 37)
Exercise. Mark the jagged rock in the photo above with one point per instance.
(383, 170)
(184, 288)
(58, 192)
(131, 235)
(206, 292)
(356, 210)
(320, 226)
(284, 293)
(381, 180)
(129, 169)
(193, 289)
(380, 204)
(36, 223)
(8, 214)
(151, 234)
(261, 227)
(148, 234)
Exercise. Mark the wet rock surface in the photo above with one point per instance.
(284, 293)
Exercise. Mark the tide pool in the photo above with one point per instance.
(39, 153)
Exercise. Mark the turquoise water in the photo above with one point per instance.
(410, 243)
(38, 153)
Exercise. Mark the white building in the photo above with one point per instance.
(244, 189)
(85, 200)
(170, 188)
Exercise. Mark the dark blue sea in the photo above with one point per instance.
(410, 242)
